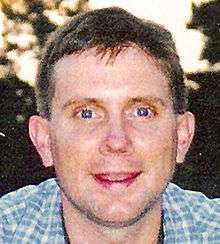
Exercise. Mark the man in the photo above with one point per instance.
(113, 122)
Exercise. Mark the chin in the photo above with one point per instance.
(115, 216)
(120, 219)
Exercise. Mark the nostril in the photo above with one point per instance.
(115, 149)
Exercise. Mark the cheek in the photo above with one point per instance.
(157, 151)
(82, 131)
(73, 146)
(155, 141)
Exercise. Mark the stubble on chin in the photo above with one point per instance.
(109, 225)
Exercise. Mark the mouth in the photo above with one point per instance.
(123, 179)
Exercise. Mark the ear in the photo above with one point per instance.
(39, 134)
(185, 133)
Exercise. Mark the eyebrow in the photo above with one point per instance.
(147, 99)
(95, 101)
(79, 101)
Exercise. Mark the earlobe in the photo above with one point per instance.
(185, 133)
(39, 134)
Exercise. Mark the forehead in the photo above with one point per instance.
(132, 73)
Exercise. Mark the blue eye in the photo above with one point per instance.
(143, 111)
(87, 114)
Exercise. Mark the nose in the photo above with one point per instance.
(116, 141)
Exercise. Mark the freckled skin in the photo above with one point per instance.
(116, 139)
(110, 121)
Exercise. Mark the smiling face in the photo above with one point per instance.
(113, 136)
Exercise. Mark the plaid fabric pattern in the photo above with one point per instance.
(32, 215)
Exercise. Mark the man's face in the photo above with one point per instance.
(113, 134)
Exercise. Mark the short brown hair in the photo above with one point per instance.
(107, 29)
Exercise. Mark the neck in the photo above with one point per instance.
(81, 230)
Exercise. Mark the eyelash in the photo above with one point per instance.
(79, 110)
(153, 112)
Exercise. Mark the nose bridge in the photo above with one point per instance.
(116, 138)
(117, 126)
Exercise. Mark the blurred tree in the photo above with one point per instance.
(206, 18)
(202, 169)
(26, 27)
(19, 162)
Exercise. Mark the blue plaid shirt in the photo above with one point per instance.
(32, 215)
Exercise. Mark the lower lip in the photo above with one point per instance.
(102, 180)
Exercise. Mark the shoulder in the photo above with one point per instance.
(25, 201)
(194, 200)
(15, 202)
(193, 211)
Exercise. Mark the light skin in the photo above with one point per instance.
(112, 120)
